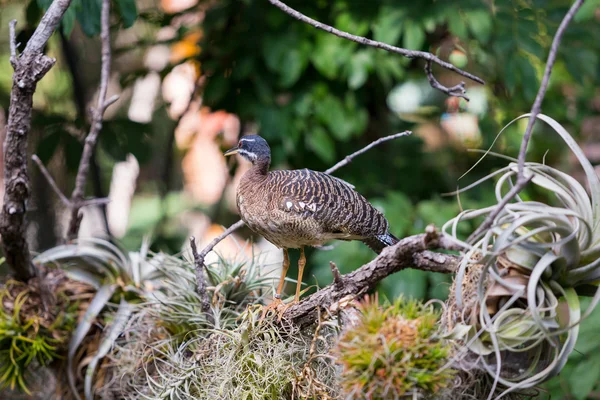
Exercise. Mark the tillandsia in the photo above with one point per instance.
(535, 256)
(393, 352)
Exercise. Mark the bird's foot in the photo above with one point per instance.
(278, 307)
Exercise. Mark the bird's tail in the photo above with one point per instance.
(379, 242)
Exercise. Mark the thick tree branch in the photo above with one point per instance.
(410, 252)
(454, 91)
(522, 180)
(29, 68)
(96, 125)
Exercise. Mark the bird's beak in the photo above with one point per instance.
(231, 152)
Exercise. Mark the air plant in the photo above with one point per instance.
(34, 331)
(534, 256)
(393, 352)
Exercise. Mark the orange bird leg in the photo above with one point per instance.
(301, 264)
(277, 303)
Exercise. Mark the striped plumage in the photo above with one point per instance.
(297, 208)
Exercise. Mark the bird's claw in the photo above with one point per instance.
(278, 307)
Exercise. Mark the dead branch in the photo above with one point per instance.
(457, 90)
(410, 252)
(348, 159)
(29, 69)
(522, 180)
(96, 125)
(200, 278)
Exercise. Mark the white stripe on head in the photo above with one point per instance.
(247, 140)
(248, 154)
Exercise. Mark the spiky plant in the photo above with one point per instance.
(394, 351)
(534, 257)
(36, 321)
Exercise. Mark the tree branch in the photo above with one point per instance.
(96, 125)
(29, 68)
(200, 278)
(410, 252)
(522, 180)
(348, 159)
(454, 91)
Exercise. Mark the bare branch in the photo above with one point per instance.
(200, 278)
(348, 159)
(522, 180)
(29, 68)
(457, 90)
(379, 45)
(539, 98)
(12, 38)
(51, 181)
(337, 277)
(410, 252)
(217, 240)
(96, 125)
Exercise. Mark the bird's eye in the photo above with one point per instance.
(240, 143)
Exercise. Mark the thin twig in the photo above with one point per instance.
(96, 125)
(51, 181)
(348, 159)
(200, 278)
(379, 45)
(29, 68)
(522, 180)
(457, 90)
(337, 277)
(13, 42)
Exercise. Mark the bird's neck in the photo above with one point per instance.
(260, 167)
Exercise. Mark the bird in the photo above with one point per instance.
(293, 209)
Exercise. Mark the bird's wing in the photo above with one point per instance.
(329, 201)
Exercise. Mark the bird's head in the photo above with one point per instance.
(253, 148)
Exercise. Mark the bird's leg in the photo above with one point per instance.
(281, 309)
(301, 265)
(277, 303)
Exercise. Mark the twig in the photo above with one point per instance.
(410, 252)
(200, 278)
(29, 69)
(348, 159)
(379, 45)
(337, 277)
(96, 125)
(457, 90)
(63, 198)
(522, 180)
(51, 181)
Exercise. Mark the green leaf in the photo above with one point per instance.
(414, 35)
(388, 27)
(89, 16)
(410, 282)
(331, 112)
(68, 20)
(399, 211)
(319, 141)
(330, 53)
(529, 79)
(360, 65)
(587, 10)
(456, 24)
(346, 22)
(480, 23)
(128, 11)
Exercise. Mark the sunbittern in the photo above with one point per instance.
(297, 208)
